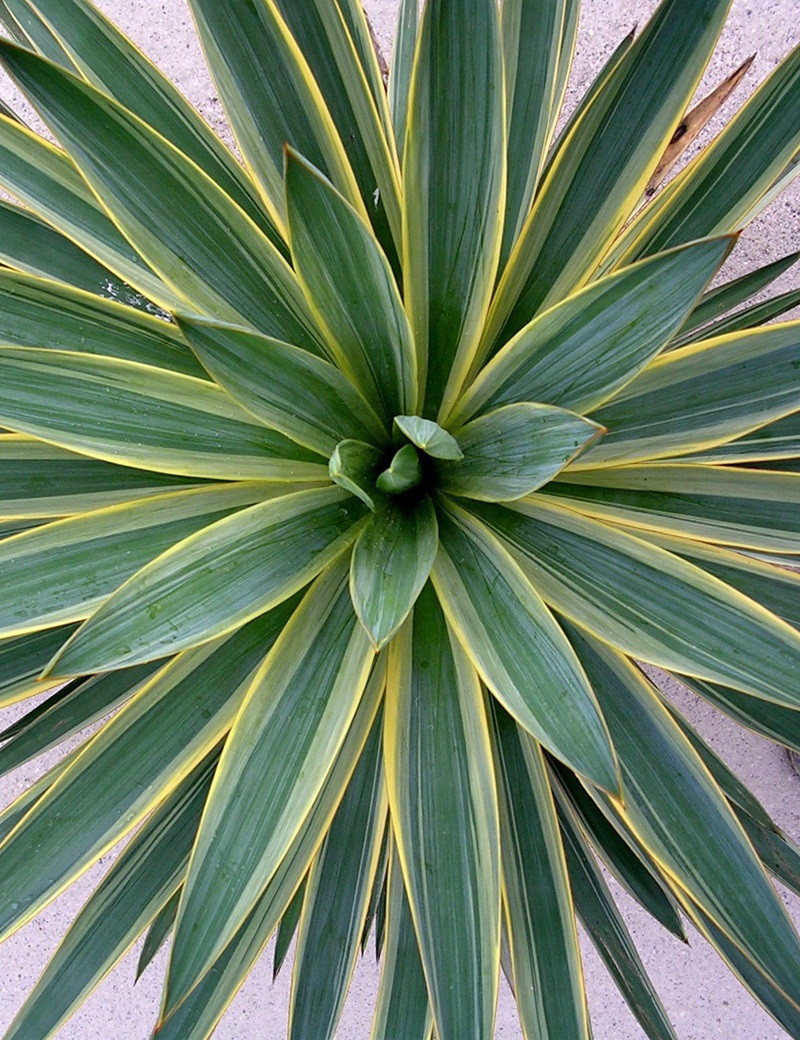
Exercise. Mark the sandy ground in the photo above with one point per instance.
(703, 999)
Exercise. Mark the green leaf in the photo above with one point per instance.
(66, 712)
(604, 165)
(519, 650)
(37, 312)
(302, 396)
(215, 258)
(28, 244)
(532, 45)
(545, 958)
(776, 850)
(515, 449)
(390, 564)
(773, 721)
(700, 396)
(22, 661)
(62, 571)
(607, 930)
(717, 302)
(336, 903)
(276, 758)
(401, 1007)
(443, 803)
(429, 437)
(112, 63)
(649, 603)
(139, 883)
(453, 189)
(401, 67)
(739, 507)
(679, 814)
(403, 473)
(38, 480)
(715, 193)
(215, 580)
(750, 317)
(354, 466)
(133, 762)
(132, 414)
(770, 444)
(619, 851)
(781, 1009)
(351, 290)
(270, 95)
(197, 1016)
(580, 352)
(158, 932)
(43, 178)
(287, 929)
(322, 30)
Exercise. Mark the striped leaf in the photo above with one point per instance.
(215, 258)
(513, 450)
(22, 661)
(680, 815)
(351, 290)
(336, 902)
(649, 603)
(139, 883)
(390, 564)
(401, 67)
(518, 648)
(454, 189)
(297, 712)
(128, 768)
(605, 164)
(124, 412)
(302, 396)
(740, 507)
(580, 352)
(215, 581)
(401, 1006)
(443, 803)
(109, 60)
(701, 396)
(62, 571)
(543, 938)
(198, 1015)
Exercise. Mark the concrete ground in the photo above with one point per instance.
(704, 1001)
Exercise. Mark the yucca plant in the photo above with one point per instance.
(349, 486)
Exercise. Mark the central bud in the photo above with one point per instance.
(368, 473)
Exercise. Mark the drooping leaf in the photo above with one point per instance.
(215, 580)
(517, 646)
(297, 712)
(429, 437)
(440, 779)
